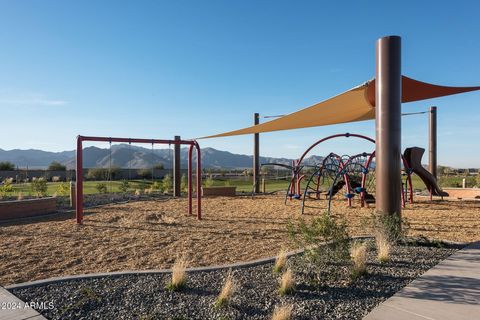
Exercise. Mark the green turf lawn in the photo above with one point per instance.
(243, 185)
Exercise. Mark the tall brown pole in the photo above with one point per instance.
(432, 141)
(388, 125)
(256, 156)
(176, 169)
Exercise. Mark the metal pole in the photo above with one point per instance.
(432, 142)
(190, 188)
(256, 155)
(176, 169)
(79, 187)
(388, 125)
(199, 182)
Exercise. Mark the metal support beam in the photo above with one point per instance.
(388, 125)
(176, 169)
(432, 141)
(256, 155)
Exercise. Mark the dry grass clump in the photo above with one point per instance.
(282, 312)
(287, 283)
(280, 261)
(179, 275)
(383, 247)
(358, 253)
(138, 192)
(20, 196)
(227, 291)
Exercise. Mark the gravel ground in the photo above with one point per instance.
(145, 296)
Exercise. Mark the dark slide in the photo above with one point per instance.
(413, 156)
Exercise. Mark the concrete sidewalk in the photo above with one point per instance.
(450, 290)
(12, 308)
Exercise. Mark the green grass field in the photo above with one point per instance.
(243, 185)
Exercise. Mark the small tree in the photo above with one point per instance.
(57, 166)
(333, 234)
(101, 187)
(124, 185)
(39, 187)
(7, 166)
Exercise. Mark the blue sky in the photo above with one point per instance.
(156, 69)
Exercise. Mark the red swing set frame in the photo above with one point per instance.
(191, 143)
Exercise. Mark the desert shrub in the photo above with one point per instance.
(287, 283)
(124, 185)
(101, 187)
(167, 183)
(383, 247)
(184, 183)
(226, 294)
(39, 187)
(325, 241)
(391, 226)
(138, 192)
(209, 182)
(157, 185)
(7, 166)
(179, 275)
(280, 261)
(7, 185)
(63, 189)
(282, 312)
(358, 253)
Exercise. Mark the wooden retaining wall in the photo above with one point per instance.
(219, 191)
(27, 208)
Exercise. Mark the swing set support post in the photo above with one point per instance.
(191, 143)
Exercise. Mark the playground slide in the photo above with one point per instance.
(413, 156)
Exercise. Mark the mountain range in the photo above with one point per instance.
(127, 156)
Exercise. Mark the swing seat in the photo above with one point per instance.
(360, 189)
(349, 195)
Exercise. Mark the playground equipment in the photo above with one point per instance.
(191, 143)
(353, 175)
(414, 157)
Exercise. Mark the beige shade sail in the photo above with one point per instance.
(356, 104)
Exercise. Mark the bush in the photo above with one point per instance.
(287, 283)
(124, 185)
(184, 183)
(318, 256)
(167, 183)
(7, 166)
(209, 182)
(391, 226)
(63, 189)
(6, 187)
(56, 166)
(157, 185)
(39, 187)
(101, 187)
